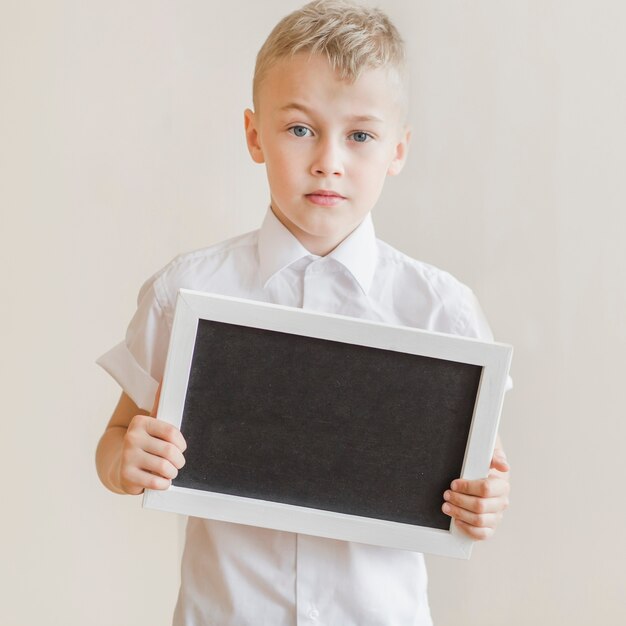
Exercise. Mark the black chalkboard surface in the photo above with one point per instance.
(324, 424)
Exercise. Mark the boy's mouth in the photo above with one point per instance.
(323, 197)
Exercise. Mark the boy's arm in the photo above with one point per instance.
(138, 452)
(477, 505)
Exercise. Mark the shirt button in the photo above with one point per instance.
(314, 614)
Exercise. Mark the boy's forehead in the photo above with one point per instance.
(308, 83)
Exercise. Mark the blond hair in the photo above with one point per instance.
(351, 36)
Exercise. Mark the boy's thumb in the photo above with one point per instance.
(499, 462)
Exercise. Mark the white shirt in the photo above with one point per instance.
(236, 575)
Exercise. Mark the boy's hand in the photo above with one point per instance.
(477, 505)
(152, 454)
(138, 452)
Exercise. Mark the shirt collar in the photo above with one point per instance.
(278, 249)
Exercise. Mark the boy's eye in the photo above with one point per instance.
(299, 131)
(361, 137)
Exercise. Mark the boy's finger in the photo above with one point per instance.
(167, 432)
(483, 487)
(474, 532)
(165, 450)
(135, 480)
(476, 504)
(480, 520)
(158, 466)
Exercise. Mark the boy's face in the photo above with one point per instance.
(318, 135)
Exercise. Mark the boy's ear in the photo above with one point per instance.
(401, 152)
(252, 136)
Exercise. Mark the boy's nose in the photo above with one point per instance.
(328, 160)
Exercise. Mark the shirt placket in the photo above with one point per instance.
(317, 288)
(308, 573)
(316, 296)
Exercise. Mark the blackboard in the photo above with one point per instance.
(324, 424)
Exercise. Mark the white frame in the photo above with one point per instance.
(494, 358)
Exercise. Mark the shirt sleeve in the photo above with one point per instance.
(138, 362)
(473, 323)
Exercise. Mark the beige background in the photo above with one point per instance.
(121, 144)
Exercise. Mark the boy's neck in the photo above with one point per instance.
(318, 246)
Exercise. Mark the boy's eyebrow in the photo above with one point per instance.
(354, 118)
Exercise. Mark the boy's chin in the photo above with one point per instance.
(320, 226)
(328, 227)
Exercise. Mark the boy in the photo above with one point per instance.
(329, 124)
